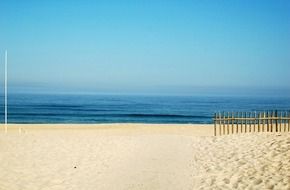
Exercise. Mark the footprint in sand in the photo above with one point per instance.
(257, 181)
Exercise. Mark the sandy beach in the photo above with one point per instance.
(139, 156)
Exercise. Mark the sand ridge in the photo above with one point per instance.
(248, 161)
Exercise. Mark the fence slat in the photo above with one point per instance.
(237, 129)
(224, 121)
(232, 123)
(264, 115)
(285, 121)
(276, 121)
(241, 122)
(288, 121)
(228, 128)
(250, 124)
(246, 122)
(268, 122)
(259, 121)
(280, 122)
(255, 116)
(272, 121)
(220, 123)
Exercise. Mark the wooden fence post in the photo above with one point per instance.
(232, 122)
(228, 117)
(245, 118)
(276, 121)
(285, 121)
(288, 121)
(220, 123)
(224, 118)
(268, 126)
(280, 122)
(264, 115)
(241, 118)
(259, 121)
(250, 124)
(272, 121)
(237, 129)
(255, 118)
(255, 121)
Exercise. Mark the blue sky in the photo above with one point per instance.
(140, 46)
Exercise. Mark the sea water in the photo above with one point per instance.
(48, 108)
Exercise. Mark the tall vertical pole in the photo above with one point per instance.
(5, 86)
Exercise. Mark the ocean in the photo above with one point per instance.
(44, 108)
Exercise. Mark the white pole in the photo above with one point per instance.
(6, 91)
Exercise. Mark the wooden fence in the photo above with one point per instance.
(244, 122)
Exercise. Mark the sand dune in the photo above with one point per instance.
(121, 156)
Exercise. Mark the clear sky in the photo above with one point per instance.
(146, 45)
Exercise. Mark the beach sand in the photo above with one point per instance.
(139, 156)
